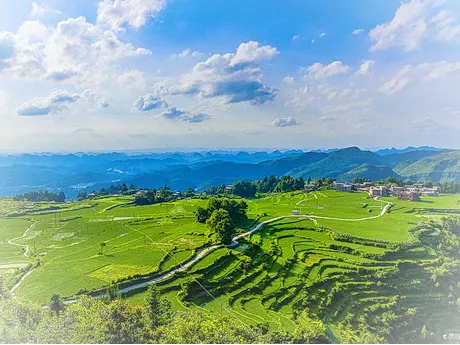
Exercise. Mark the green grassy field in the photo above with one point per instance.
(263, 279)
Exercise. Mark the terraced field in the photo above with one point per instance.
(338, 262)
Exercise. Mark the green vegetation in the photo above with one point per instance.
(41, 195)
(336, 273)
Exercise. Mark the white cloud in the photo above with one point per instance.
(446, 29)
(366, 68)
(184, 116)
(114, 14)
(412, 22)
(426, 71)
(185, 53)
(296, 37)
(233, 77)
(133, 79)
(41, 11)
(288, 79)
(55, 102)
(398, 82)
(74, 50)
(357, 31)
(149, 102)
(285, 122)
(439, 69)
(321, 35)
(252, 51)
(320, 71)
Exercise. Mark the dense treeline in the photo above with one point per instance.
(40, 195)
(275, 184)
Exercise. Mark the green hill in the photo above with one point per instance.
(337, 163)
(372, 172)
(440, 167)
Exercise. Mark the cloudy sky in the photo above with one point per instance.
(167, 74)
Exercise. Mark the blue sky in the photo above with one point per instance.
(140, 74)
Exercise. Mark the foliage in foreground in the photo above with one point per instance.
(120, 322)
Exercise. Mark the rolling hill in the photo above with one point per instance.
(439, 167)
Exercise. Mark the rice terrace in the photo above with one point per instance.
(324, 257)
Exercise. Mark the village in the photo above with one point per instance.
(407, 192)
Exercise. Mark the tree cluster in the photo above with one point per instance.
(449, 187)
(40, 195)
(154, 196)
(222, 215)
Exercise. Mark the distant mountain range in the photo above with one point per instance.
(74, 172)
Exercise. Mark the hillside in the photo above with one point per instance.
(439, 167)
(372, 172)
(337, 163)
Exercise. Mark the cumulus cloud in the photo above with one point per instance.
(74, 50)
(115, 14)
(357, 31)
(185, 53)
(285, 122)
(413, 21)
(366, 68)
(177, 114)
(235, 77)
(149, 102)
(320, 71)
(252, 51)
(58, 101)
(55, 102)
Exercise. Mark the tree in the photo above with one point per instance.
(221, 225)
(158, 308)
(189, 192)
(61, 197)
(56, 305)
(201, 214)
(244, 189)
(112, 293)
(82, 196)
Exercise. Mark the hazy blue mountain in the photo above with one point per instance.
(180, 170)
(385, 152)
